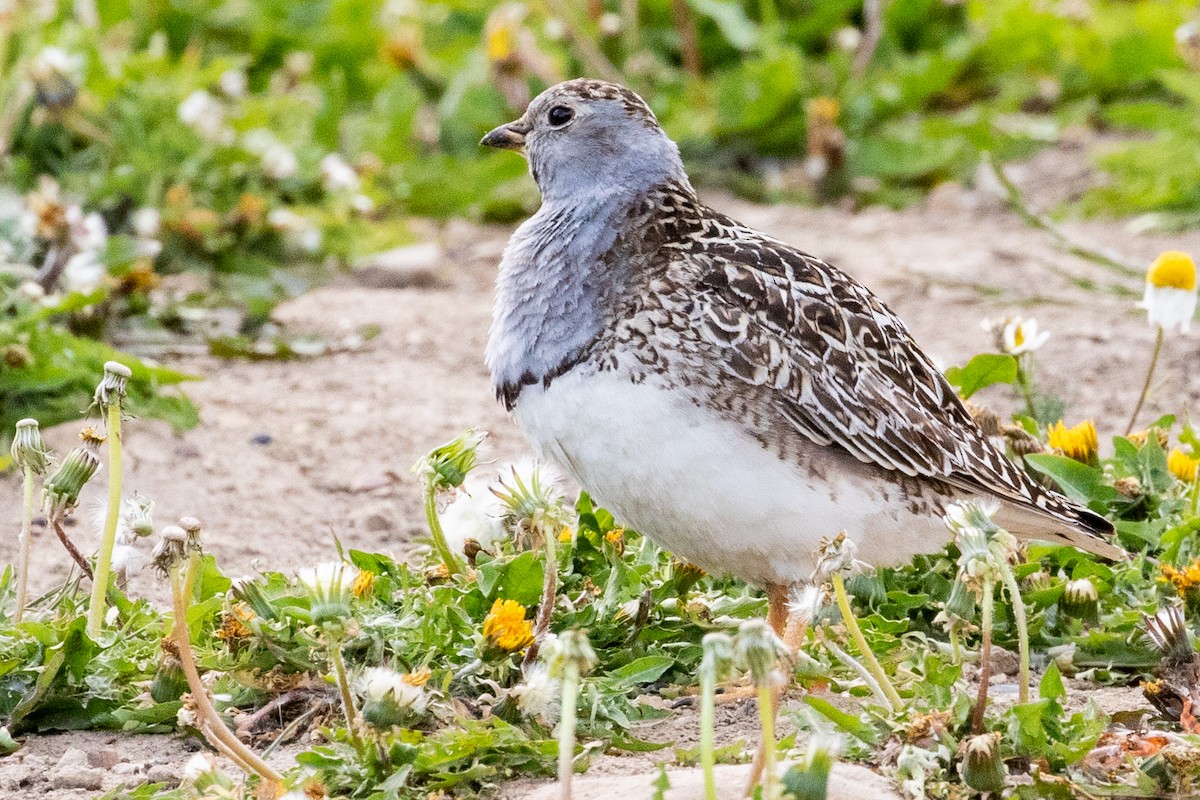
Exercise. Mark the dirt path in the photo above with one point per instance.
(290, 454)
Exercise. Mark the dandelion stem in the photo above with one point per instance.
(112, 514)
(858, 669)
(549, 587)
(708, 758)
(1018, 608)
(985, 658)
(1158, 340)
(766, 715)
(339, 674)
(26, 539)
(566, 728)
(1026, 386)
(435, 530)
(872, 663)
(72, 550)
(211, 723)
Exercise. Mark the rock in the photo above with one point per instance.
(847, 782)
(104, 758)
(72, 757)
(411, 267)
(162, 773)
(1004, 662)
(73, 772)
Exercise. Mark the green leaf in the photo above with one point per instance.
(983, 370)
(646, 669)
(1079, 481)
(521, 579)
(846, 722)
(732, 21)
(1051, 686)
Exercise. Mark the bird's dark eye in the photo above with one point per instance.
(560, 115)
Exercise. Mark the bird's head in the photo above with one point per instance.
(582, 136)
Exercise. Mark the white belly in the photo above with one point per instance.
(706, 491)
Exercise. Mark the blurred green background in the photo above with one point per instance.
(163, 157)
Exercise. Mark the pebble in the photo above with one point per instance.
(161, 773)
(73, 772)
(104, 758)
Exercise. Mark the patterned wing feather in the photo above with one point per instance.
(846, 372)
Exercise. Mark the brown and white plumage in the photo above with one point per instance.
(720, 390)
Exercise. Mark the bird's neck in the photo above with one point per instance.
(559, 279)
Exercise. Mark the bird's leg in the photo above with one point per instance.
(777, 617)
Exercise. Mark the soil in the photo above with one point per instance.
(290, 455)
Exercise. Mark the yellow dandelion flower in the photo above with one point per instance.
(363, 584)
(1141, 437)
(565, 535)
(418, 678)
(233, 628)
(616, 538)
(506, 628)
(1183, 466)
(1170, 297)
(1080, 442)
(1182, 579)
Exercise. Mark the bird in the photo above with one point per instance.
(728, 395)
(720, 391)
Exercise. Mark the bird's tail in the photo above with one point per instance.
(1054, 518)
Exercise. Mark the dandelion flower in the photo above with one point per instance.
(379, 683)
(1183, 466)
(1170, 298)
(1080, 442)
(1081, 600)
(476, 514)
(506, 628)
(329, 589)
(537, 696)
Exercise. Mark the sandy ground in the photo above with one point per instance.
(289, 455)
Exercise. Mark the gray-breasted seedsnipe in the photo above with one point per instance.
(718, 390)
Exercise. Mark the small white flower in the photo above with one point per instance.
(83, 272)
(146, 222)
(198, 765)
(337, 175)
(88, 232)
(298, 232)
(381, 683)
(848, 38)
(57, 60)
(233, 83)
(279, 162)
(538, 695)
(1021, 336)
(1170, 297)
(205, 115)
(362, 204)
(185, 717)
